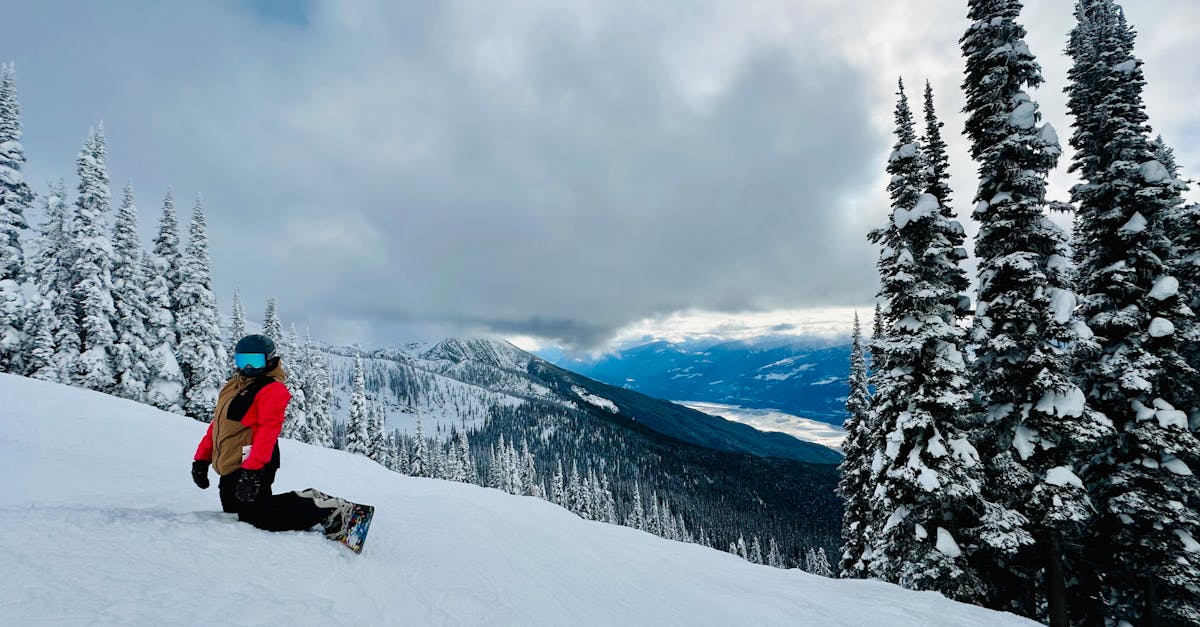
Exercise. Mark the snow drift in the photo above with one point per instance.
(100, 524)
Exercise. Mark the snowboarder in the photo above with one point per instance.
(242, 446)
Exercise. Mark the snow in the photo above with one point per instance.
(1063, 476)
(1164, 412)
(1024, 440)
(964, 451)
(1154, 172)
(897, 517)
(1024, 116)
(1062, 303)
(1049, 135)
(946, 544)
(801, 428)
(1161, 327)
(1164, 288)
(1189, 543)
(903, 152)
(1176, 466)
(1069, 403)
(928, 480)
(135, 543)
(1125, 67)
(927, 205)
(1136, 224)
(598, 401)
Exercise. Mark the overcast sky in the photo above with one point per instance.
(559, 172)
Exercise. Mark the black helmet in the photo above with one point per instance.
(255, 355)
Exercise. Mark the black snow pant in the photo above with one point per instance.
(273, 512)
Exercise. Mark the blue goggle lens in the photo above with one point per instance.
(250, 360)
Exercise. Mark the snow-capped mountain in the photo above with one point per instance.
(94, 533)
(727, 481)
(799, 376)
(456, 383)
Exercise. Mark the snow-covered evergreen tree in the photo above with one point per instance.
(51, 270)
(318, 391)
(272, 327)
(16, 199)
(637, 512)
(40, 361)
(296, 420)
(756, 554)
(91, 269)
(376, 443)
(1132, 369)
(855, 485)
(167, 258)
(926, 499)
(132, 358)
(774, 556)
(558, 487)
(358, 435)
(201, 348)
(419, 465)
(1034, 418)
(466, 459)
(237, 322)
(165, 390)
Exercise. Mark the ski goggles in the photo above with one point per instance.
(250, 360)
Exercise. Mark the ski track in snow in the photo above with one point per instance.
(101, 525)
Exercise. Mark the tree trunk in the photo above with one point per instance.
(1150, 612)
(1056, 585)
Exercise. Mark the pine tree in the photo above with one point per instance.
(855, 485)
(201, 349)
(91, 269)
(51, 269)
(1132, 368)
(756, 554)
(637, 513)
(774, 557)
(272, 328)
(319, 394)
(741, 547)
(132, 360)
(165, 390)
(1034, 418)
(16, 199)
(419, 464)
(927, 480)
(467, 460)
(358, 435)
(168, 264)
(296, 419)
(558, 491)
(40, 363)
(237, 322)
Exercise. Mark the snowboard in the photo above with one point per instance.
(354, 534)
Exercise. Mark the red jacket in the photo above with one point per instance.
(265, 420)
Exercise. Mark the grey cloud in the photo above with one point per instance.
(555, 169)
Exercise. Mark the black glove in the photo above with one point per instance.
(200, 473)
(248, 485)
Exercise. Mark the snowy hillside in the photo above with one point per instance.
(100, 524)
(460, 383)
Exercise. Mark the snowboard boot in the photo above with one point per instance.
(339, 515)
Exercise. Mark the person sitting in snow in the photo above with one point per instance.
(242, 445)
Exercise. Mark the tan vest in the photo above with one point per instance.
(229, 436)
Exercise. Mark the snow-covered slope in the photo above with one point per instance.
(100, 524)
